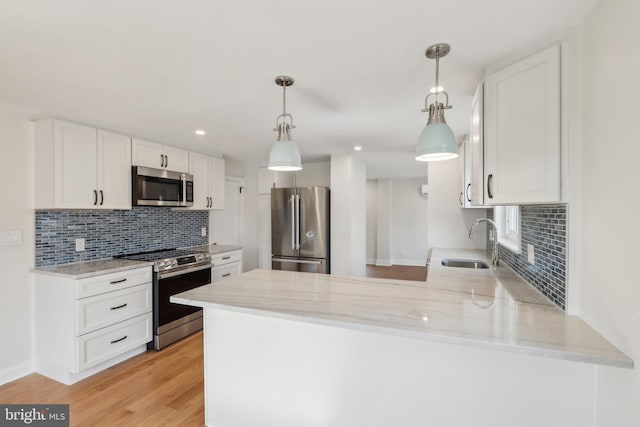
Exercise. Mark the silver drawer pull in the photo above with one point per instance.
(120, 306)
(118, 281)
(226, 257)
(226, 275)
(119, 339)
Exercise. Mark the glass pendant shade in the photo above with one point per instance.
(436, 142)
(284, 156)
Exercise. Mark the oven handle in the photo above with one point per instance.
(190, 269)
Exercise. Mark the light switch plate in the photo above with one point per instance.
(531, 256)
(79, 245)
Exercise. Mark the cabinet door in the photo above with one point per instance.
(474, 194)
(114, 171)
(76, 161)
(176, 159)
(522, 131)
(216, 182)
(199, 168)
(146, 153)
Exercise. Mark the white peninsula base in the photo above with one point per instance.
(270, 371)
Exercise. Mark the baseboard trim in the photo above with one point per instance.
(15, 372)
(383, 262)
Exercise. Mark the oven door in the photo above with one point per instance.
(171, 283)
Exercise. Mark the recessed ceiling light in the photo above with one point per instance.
(200, 132)
(357, 148)
(434, 90)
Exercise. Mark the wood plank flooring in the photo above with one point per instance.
(164, 388)
(400, 272)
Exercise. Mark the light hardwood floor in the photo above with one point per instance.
(164, 388)
(400, 272)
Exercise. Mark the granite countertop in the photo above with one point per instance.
(215, 249)
(84, 269)
(492, 309)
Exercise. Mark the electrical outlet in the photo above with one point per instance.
(531, 256)
(11, 238)
(203, 232)
(79, 245)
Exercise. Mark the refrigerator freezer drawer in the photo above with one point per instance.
(296, 264)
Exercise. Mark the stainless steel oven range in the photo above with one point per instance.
(175, 271)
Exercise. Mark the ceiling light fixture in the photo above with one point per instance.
(200, 132)
(284, 155)
(437, 141)
(357, 148)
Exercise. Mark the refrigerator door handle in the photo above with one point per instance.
(297, 261)
(293, 222)
(297, 221)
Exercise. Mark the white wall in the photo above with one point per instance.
(348, 216)
(418, 224)
(606, 217)
(316, 174)
(15, 261)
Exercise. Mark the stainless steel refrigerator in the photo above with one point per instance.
(300, 229)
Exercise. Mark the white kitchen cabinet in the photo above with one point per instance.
(226, 264)
(474, 152)
(80, 167)
(522, 131)
(268, 179)
(159, 156)
(465, 161)
(208, 181)
(83, 326)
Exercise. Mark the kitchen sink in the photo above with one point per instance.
(464, 263)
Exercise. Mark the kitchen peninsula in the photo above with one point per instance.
(285, 348)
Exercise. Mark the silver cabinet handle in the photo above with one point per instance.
(119, 339)
(119, 306)
(489, 179)
(118, 281)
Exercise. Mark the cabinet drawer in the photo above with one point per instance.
(219, 273)
(106, 309)
(226, 258)
(112, 282)
(104, 344)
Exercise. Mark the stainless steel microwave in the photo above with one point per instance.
(159, 187)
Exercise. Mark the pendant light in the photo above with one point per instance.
(284, 155)
(437, 141)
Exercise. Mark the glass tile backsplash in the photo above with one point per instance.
(108, 233)
(545, 227)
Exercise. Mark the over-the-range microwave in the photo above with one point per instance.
(159, 187)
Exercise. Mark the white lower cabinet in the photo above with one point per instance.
(226, 264)
(83, 326)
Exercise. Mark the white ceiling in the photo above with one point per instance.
(160, 69)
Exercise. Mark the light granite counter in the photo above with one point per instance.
(82, 270)
(482, 308)
(215, 249)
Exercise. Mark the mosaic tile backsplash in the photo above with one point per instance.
(109, 233)
(545, 227)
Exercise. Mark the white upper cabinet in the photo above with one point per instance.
(158, 156)
(79, 167)
(208, 181)
(474, 153)
(522, 131)
(464, 159)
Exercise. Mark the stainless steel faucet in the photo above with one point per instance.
(494, 257)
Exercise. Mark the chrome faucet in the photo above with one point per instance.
(494, 257)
